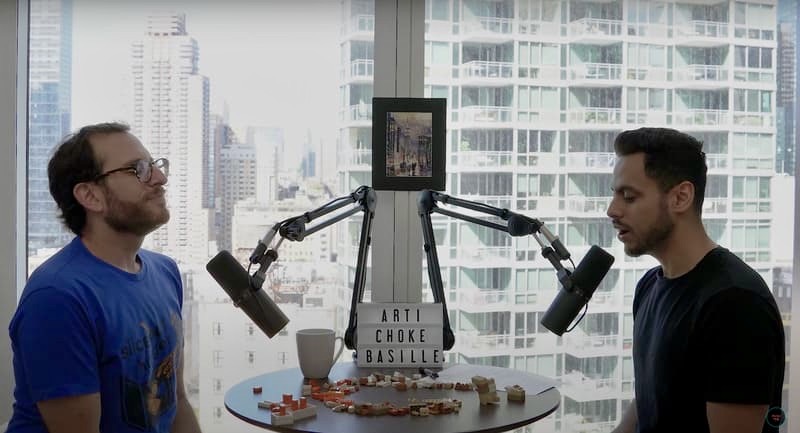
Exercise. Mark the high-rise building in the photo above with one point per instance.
(50, 99)
(269, 145)
(171, 115)
(537, 91)
(237, 181)
(786, 107)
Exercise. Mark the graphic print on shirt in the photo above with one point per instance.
(149, 364)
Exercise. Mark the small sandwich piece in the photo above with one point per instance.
(515, 393)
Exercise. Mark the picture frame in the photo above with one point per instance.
(408, 143)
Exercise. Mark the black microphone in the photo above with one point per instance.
(520, 225)
(573, 297)
(237, 283)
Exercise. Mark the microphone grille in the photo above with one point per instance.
(592, 269)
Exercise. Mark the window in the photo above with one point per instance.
(337, 69)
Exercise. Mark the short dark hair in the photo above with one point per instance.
(73, 162)
(670, 157)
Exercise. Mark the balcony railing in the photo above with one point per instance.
(485, 253)
(596, 71)
(355, 157)
(583, 426)
(362, 68)
(759, 120)
(538, 28)
(472, 340)
(579, 381)
(701, 117)
(591, 159)
(715, 205)
(711, 29)
(490, 25)
(483, 298)
(646, 73)
(484, 159)
(591, 342)
(485, 113)
(595, 115)
(588, 204)
(486, 69)
(356, 113)
(701, 73)
(595, 27)
(716, 161)
(652, 118)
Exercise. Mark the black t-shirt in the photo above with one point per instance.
(713, 334)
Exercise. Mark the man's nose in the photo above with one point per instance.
(612, 211)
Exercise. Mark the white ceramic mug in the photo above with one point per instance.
(315, 351)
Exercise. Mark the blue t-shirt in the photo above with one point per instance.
(84, 326)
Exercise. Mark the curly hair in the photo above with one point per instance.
(74, 162)
(670, 157)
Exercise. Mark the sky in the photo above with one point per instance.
(272, 63)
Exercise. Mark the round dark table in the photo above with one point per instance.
(507, 415)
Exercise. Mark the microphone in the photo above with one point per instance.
(238, 285)
(578, 288)
(520, 225)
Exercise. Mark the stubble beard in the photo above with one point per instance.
(660, 231)
(134, 218)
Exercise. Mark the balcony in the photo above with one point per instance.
(702, 77)
(575, 423)
(359, 115)
(583, 345)
(544, 116)
(359, 27)
(581, 388)
(360, 71)
(484, 256)
(477, 301)
(757, 120)
(716, 161)
(649, 118)
(594, 160)
(538, 28)
(475, 343)
(699, 33)
(596, 74)
(486, 114)
(355, 158)
(715, 206)
(646, 73)
(595, 116)
(595, 31)
(701, 117)
(486, 73)
(487, 29)
(588, 205)
(489, 160)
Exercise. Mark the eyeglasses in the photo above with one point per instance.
(142, 169)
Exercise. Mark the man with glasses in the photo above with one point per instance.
(97, 335)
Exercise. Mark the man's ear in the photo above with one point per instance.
(681, 197)
(90, 196)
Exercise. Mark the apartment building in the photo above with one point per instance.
(537, 90)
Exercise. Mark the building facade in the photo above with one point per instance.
(171, 115)
(50, 100)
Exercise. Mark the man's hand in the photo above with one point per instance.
(735, 418)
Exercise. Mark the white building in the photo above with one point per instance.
(171, 117)
(537, 91)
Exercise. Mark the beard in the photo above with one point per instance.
(134, 218)
(659, 232)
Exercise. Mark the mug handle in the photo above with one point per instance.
(341, 348)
